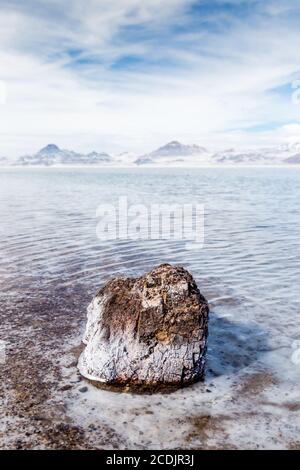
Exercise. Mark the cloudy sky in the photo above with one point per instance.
(130, 75)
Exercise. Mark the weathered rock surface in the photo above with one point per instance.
(150, 330)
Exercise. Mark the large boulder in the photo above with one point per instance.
(151, 330)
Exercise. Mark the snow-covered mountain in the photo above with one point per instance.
(177, 154)
(173, 152)
(4, 161)
(293, 159)
(281, 154)
(233, 157)
(53, 155)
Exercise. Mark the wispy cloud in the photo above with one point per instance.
(119, 75)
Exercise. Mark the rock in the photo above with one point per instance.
(150, 330)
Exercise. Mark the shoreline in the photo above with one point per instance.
(121, 167)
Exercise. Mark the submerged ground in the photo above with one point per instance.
(52, 263)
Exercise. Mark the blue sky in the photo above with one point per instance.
(120, 75)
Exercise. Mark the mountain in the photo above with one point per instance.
(4, 161)
(176, 149)
(293, 159)
(50, 149)
(177, 154)
(281, 154)
(233, 157)
(172, 152)
(53, 155)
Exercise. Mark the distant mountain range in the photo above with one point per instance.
(172, 154)
(53, 155)
(176, 153)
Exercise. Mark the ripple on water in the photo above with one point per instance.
(248, 269)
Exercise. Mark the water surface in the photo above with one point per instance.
(249, 270)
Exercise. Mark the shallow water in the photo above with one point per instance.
(248, 268)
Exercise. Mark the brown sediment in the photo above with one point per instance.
(204, 427)
(138, 388)
(33, 401)
(290, 406)
(256, 383)
(32, 388)
(294, 445)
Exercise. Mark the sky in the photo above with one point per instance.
(131, 75)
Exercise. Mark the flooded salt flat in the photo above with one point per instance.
(52, 263)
